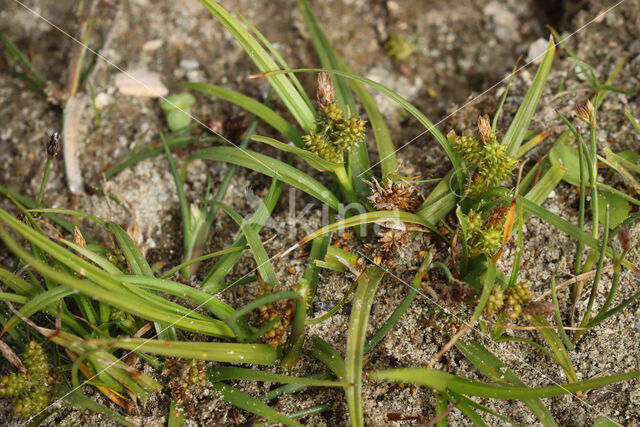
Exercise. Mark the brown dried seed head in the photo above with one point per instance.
(581, 113)
(624, 236)
(484, 128)
(496, 216)
(78, 239)
(234, 127)
(539, 308)
(325, 93)
(586, 114)
(391, 241)
(53, 145)
(393, 196)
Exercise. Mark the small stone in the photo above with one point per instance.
(536, 50)
(189, 64)
(141, 83)
(103, 100)
(393, 7)
(151, 45)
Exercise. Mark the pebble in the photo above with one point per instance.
(103, 100)
(152, 45)
(189, 64)
(536, 50)
(141, 83)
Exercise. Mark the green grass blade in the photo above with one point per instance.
(218, 308)
(16, 283)
(632, 119)
(281, 62)
(494, 369)
(109, 290)
(481, 275)
(132, 253)
(358, 159)
(327, 55)
(557, 347)
(256, 303)
(546, 184)
(270, 167)
(304, 115)
(263, 261)
(566, 227)
(250, 404)
(254, 107)
(182, 198)
(29, 71)
(465, 406)
(312, 159)
(323, 351)
(177, 417)
(356, 335)
(47, 299)
(404, 305)
(225, 373)
(443, 381)
(138, 264)
(213, 282)
(98, 260)
(318, 251)
(605, 422)
(366, 218)
(259, 354)
(192, 261)
(296, 339)
(384, 143)
(77, 399)
(197, 244)
(275, 393)
(66, 225)
(72, 212)
(134, 157)
(518, 128)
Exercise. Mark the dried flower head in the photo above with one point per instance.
(234, 127)
(392, 241)
(53, 145)
(325, 93)
(188, 378)
(484, 128)
(538, 308)
(393, 195)
(496, 216)
(586, 113)
(624, 236)
(455, 293)
(77, 238)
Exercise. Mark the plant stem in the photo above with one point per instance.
(614, 286)
(563, 335)
(43, 184)
(596, 280)
(346, 185)
(580, 211)
(594, 180)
